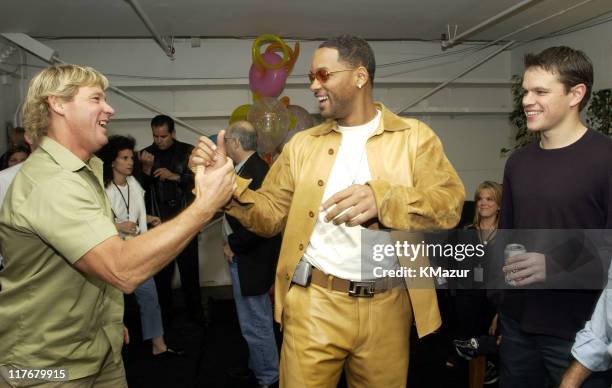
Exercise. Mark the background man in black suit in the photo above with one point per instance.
(252, 261)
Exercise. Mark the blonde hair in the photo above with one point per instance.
(61, 81)
(496, 192)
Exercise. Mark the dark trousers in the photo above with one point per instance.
(538, 361)
(189, 272)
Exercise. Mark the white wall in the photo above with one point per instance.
(595, 42)
(8, 92)
(12, 88)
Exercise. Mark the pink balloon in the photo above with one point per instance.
(266, 82)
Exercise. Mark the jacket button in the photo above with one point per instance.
(287, 276)
(320, 182)
(330, 151)
(311, 214)
(301, 247)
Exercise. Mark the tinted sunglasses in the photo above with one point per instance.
(323, 75)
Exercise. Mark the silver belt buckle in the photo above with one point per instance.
(361, 289)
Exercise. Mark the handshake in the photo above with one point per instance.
(215, 179)
(208, 155)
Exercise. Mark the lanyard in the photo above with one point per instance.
(126, 203)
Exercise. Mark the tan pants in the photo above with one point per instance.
(326, 331)
(111, 375)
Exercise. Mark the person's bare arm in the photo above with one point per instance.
(575, 375)
(126, 264)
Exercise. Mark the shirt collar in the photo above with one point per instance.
(388, 122)
(65, 158)
(239, 166)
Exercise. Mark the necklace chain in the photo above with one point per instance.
(487, 239)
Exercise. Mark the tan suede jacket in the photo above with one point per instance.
(415, 186)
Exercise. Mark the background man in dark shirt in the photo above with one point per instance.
(168, 183)
(561, 181)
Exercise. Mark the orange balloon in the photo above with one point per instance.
(293, 53)
(293, 57)
(285, 101)
(256, 54)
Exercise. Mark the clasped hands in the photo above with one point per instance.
(352, 206)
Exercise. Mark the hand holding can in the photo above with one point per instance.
(509, 251)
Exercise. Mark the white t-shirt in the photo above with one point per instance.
(119, 198)
(337, 249)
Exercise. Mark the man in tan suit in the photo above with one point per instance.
(365, 168)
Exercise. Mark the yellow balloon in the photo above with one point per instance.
(292, 121)
(240, 113)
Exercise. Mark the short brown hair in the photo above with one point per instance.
(572, 66)
(61, 81)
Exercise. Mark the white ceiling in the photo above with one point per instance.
(312, 19)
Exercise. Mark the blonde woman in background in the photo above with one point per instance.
(476, 317)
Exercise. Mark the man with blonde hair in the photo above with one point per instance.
(61, 307)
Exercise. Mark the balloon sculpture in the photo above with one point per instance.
(276, 121)
(271, 120)
(269, 71)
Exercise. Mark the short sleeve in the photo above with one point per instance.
(68, 215)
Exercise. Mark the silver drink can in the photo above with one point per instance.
(513, 250)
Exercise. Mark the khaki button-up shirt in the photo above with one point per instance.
(415, 187)
(52, 315)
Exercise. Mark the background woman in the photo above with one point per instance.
(476, 318)
(486, 218)
(16, 155)
(127, 200)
